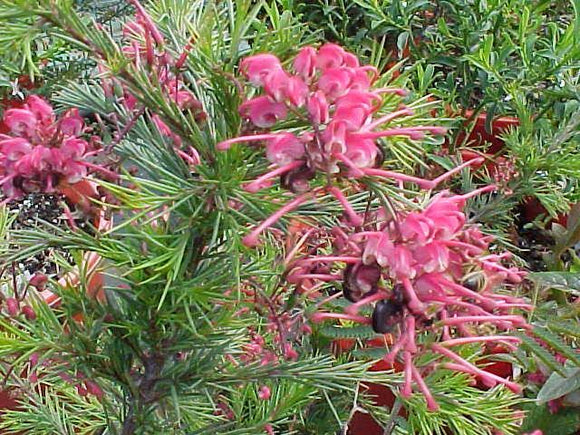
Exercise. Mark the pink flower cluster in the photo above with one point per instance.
(145, 48)
(40, 150)
(332, 94)
(141, 49)
(426, 271)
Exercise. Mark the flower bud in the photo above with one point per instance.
(82, 391)
(28, 312)
(305, 62)
(94, 389)
(38, 281)
(12, 306)
(264, 393)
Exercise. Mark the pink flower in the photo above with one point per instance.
(264, 393)
(71, 124)
(334, 137)
(354, 116)
(305, 63)
(276, 84)
(330, 56)
(42, 151)
(335, 82)
(74, 171)
(350, 60)
(340, 108)
(355, 108)
(363, 153)
(38, 280)
(340, 138)
(145, 47)
(161, 126)
(73, 148)
(416, 227)
(28, 312)
(444, 211)
(41, 109)
(36, 161)
(283, 87)
(284, 149)
(401, 262)
(433, 257)
(360, 80)
(289, 352)
(377, 248)
(15, 148)
(297, 91)
(21, 122)
(185, 100)
(317, 107)
(426, 255)
(12, 306)
(263, 112)
(257, 68)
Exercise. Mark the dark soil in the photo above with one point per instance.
(535, 243)
(33, 211)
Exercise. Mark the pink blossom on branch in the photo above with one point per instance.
(40, 151)
(428, 272)
(145, 48)
(332, 93)
(423, 272)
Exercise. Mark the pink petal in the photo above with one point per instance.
(330, 56)
(335, 82)
(73, 148)
(284, 149)
(71, 124)
(318, 108)
(257, 68)
(263, 112)
(305, 62)
(41, 109)
(20, 122)
(363, 153)
(14, 148)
